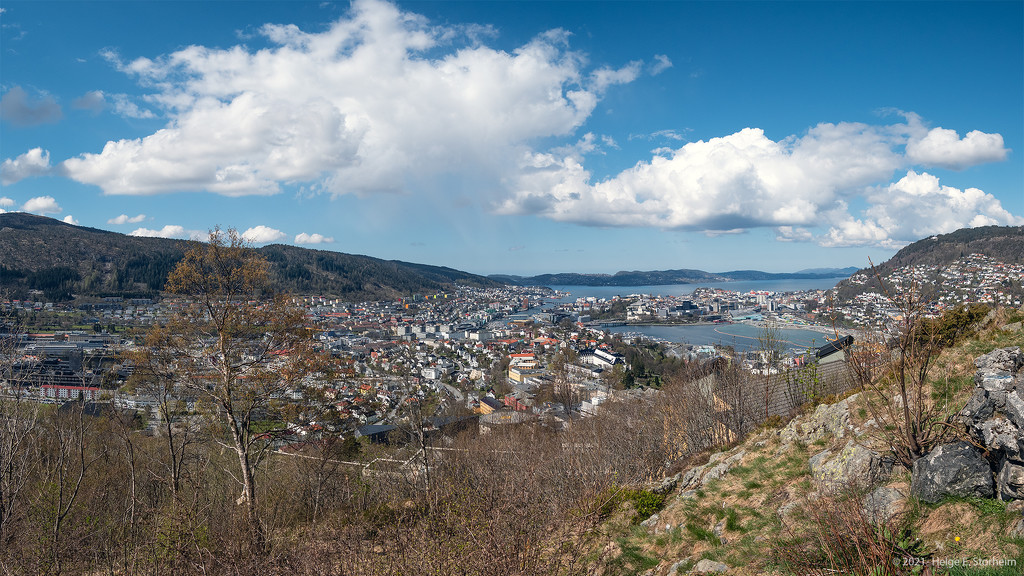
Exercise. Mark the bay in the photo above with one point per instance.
(742, 336)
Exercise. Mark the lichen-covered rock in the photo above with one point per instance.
(827, 420)
(1010, 481)
(855, 465)
(956, 469)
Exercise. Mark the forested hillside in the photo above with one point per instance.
(63, 261)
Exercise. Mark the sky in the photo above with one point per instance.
(521, 137)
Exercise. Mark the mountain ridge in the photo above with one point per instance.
(63, 260)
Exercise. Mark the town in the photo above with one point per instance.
(502, 356)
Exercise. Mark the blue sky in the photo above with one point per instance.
(521, 137)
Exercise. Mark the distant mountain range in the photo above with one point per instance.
(663, 277)
(61, 260)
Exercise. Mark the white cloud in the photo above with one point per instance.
(35, 162)
(797, 185)
(737, 181)
(379, 100)
(944, 148)
(661, 64)
(915, 207)
(169, 231)
(124, 107)
(20, 109)
(125, 219)
(42, 205)
(304, 238)
(4, 201)
(262, 235)
(69, 219)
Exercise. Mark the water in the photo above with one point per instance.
(744, 337)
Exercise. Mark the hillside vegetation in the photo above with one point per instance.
(63, 261)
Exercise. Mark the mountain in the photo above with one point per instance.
(663, 277)
(63, 260)
(832, 271)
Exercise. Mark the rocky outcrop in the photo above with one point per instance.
(827, 420)
(994, 417)
(957, 469)
(854, 465)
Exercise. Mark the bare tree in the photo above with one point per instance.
(239, 347)
(895, 367)
(19, 418)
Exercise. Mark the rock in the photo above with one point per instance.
(715, 473)
(667, 485)
(1015, 327)
(855, 465)
(818, 460)
(952, 470)
(998, 362)
(652, 521)
(978, 408)
(1017, 530)
(1000, 435)
(719, 528)
(706, 566)
(688, 495)
(691, 478)
(1014, 408)
(1010, 482)
(883, 504)
(674, 569)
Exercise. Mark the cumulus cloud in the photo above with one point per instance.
(18, 108)
(69, 219)
(35, 162)
(169, 231)
(915, 207)
(797, 185)
(262, 235)
(4, 201)
(379, 100)
(944, 148)
(304, 238)
(737, 181)
(126, 219)
(42, 205)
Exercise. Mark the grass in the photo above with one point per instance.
(703, 534)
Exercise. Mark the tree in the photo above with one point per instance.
(898, 360)
(239, 347)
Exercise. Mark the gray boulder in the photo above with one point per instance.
(883, 504)
(956, 469)
(1010, 482)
